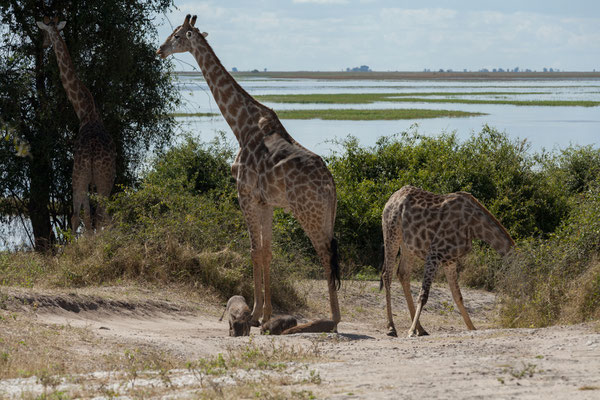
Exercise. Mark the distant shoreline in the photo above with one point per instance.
(401, 76)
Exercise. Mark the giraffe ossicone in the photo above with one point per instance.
(271, 170)
(94, 154)
(438, 229)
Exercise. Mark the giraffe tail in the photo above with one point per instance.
(335, 265)
(381, 266)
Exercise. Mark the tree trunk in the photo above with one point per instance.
(40, 170)
(39, 201)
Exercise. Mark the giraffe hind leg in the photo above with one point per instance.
(81, 201)
(404, 270)
(104, 184)
(391, 250)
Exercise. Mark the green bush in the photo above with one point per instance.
(558, 279)
(500, 172)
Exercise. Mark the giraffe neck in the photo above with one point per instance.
(240, 110)
(491, 231)
(79, 95)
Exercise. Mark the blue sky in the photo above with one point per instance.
(330, 35)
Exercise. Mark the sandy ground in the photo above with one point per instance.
(360, 361)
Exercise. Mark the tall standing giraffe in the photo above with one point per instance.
(94, 154)
(437, 229)
(271, 170)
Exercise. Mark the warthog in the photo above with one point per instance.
(239, 316)
(275, 326)
(318, 326)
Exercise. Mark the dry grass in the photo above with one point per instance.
(111, 259)
(30, 348)
(61, 361)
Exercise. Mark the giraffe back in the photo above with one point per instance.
(425, 222)
(420, 219)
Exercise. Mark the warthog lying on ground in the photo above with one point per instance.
(276, 325)
(239, 316)
(318, 326)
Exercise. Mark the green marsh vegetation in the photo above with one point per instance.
(358, 115)
(371, 115)
(368, 98)
(181, 224)
(198, 114)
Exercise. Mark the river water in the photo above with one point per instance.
(544, 127)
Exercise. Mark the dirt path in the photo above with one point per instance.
(361, 361)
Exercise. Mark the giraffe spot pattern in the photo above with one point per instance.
(437, 229)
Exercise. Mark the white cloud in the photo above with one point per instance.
(280, 37)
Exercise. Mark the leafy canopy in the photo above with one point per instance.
(112, 45)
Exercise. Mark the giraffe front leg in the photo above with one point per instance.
(431, 265)
(252, 216)
(452, 278)
(257, 309)
(266, 219)
(80, 182)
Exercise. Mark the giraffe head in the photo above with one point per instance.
(50, 25)
(179, 40)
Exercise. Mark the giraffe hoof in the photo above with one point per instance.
(254, 323)
(422, 333)
(412, 334)
(392, 332)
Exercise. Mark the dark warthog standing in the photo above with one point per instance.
(239, 316)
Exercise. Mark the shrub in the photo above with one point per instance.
(557, 280)
(500, 172)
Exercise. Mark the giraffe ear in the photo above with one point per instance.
(205, 34)
(61, 25)
(41, 25)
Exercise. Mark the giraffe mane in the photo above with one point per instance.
(490, 215)
(270, 124)
(270, 113)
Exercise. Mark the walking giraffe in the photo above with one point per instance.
(437, 229)
(271, 170)
(94, 154)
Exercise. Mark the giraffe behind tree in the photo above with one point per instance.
(438, 229)
(271, 170)
(94, 153)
